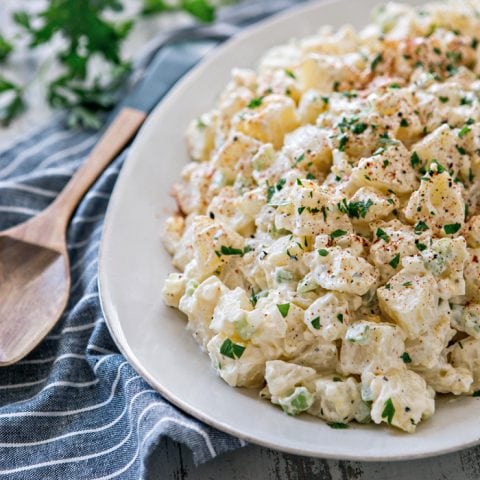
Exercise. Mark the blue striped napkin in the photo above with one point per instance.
(74, 408)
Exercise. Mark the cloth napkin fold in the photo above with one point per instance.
(74, 408)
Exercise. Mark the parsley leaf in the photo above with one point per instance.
(452, 228)
(406, 357)
(395, 261)
(316, 323)
(337, 425)
(388, 411)
(232, 350)
(355, 209)
(420, 227)
(338, 233)
(255, 103)
(283, 309)
(382, 234)
(322, 252)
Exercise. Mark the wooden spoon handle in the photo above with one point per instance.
(118, 134)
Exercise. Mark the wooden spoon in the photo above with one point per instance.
(34, 265)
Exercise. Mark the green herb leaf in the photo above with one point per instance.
(395, 261)
(388, 411)
(420, 246)
(337, 425)
(342, 142)
(340, 317)
(406, 357)
(452, 228)
(376, 60)
(5, 48)
(355, 209)
(464, 131)
(232, 350)
(290, 74)
(420, 227)
(338, 233)
(255, 103)
(382, 234)
(283, 309)
(224, 250)
(322, 252)
(316, 323)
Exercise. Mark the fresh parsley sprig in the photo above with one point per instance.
(86, 34)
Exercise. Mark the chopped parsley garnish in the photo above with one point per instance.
(394, 85)
(324, 213)
(385, 163)
(382, 234)
(283, 309)
(300, 158)
(224, 250)
(394, 261)
(300, 210)
(299, 182)
(272, 189)
(443, 99)
(232, 350)
(355, 209)
(407, 284)
(377, 59)
(386, 140)
(349, 94)
(460, 150)
(325, 100)
(420, 246)
(338, 233)
(340, 317)
(471, 176)
(359, 128)
(463, 131)
(342, 141)
(316, 323)
(420, 227)
(476, 393)
(452, 228)
(404, 122)
(255, 103)
(440, 167)
(466, 101)
(388, 411)
(322, 252)
(337, 425)
(406, 357)
(310, 176)
(415, 160)
(290, 74)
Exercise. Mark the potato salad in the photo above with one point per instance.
(327, 238)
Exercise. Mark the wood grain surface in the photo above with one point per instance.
(173, 461)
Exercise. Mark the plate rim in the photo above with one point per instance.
(106, 302)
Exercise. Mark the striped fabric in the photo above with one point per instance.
(74, 408)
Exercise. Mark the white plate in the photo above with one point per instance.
(133, 265)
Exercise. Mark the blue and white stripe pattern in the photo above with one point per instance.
(74, 408)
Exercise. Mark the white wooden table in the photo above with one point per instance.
(172, 461)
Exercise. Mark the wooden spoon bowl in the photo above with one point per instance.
(34, 264)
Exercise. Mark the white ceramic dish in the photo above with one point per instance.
(133, 265)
